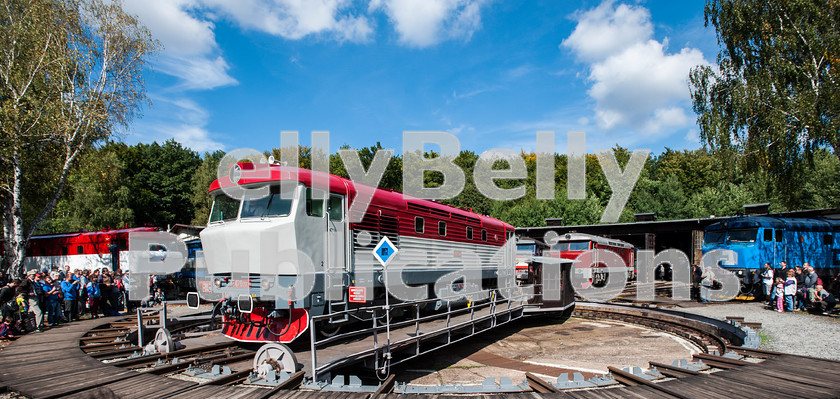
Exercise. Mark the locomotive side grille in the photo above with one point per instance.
(426, 252)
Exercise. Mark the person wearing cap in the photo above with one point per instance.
(31, 286)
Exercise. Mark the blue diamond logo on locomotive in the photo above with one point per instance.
(385, 251)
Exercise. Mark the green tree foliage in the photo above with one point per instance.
(205, 174)
(96, 197)
(775, 97)
(152, 184)
(724, 199)
(666, 198)
(160, 178)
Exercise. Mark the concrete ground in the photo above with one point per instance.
(798, 333)
(548, 350)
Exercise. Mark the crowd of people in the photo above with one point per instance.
(797, 288)
(47, 298)
(784, 289)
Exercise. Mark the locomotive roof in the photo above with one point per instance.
(593, 238)
(340, 185)
(797, 224)
(93, 233)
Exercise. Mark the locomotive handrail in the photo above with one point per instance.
(515, 302)
(448, 300)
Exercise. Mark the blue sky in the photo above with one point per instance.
(234, 74)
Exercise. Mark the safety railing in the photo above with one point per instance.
(460, 314)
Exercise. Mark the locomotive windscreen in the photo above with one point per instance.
(746, 235)
(571, 246)
(715, 237)
(224, 208)
(271, 205)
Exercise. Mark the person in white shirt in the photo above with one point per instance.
(767, 278)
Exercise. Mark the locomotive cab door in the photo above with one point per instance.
(779, 247)
(337, 234)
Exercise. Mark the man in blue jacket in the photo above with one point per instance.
(70, 288)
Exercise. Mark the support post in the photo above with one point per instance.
(139, 328)
(163, 316)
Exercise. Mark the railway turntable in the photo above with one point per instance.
(80, 361)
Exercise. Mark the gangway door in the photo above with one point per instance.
(551, 281)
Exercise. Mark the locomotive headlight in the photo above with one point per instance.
(217, 282)
(740, 272)
(266, 284)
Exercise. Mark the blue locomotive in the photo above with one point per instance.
(760, 239)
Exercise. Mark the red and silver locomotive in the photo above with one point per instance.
(573, 245)
(261, 249)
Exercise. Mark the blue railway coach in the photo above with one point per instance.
(760, 239)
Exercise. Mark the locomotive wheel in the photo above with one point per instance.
(163, 341)
(328, 330)
(276, 356)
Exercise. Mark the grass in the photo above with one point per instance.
(764, 338)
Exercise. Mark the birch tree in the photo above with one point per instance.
(774, 97)
(71, 74)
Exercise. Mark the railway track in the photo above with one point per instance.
(709, 334)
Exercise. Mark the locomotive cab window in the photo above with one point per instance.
(827, 239)
(715, 237)
(469, 233)
(224, 208)
(314, 206)
(779, 236)
(419, 225)
(442, 229)
(483, 235)
(768, 235)
(80, 249)
(336, 208)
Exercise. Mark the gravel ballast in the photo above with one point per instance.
(799, 333)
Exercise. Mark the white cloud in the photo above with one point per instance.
(194, 137)
(295, 19)
(182, 119)
(606, 30)
(190, 51)
(186, 30)
(635, 82)
(422, 23)
(692, 136)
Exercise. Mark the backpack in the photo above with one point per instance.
(93, 290)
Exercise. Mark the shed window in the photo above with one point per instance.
(419, 225)
(442, 229)
(469, 233)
